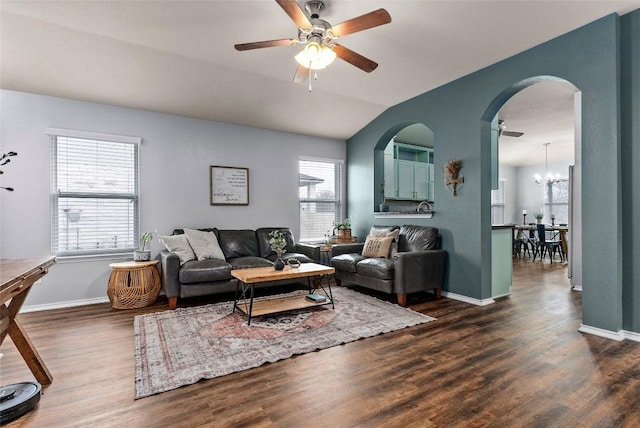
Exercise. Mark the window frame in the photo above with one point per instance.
(500, 204)
(549, 201)
(56, 194)
(340, 188)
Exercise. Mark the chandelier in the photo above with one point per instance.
(548, 178)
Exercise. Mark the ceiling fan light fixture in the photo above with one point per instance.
(315, 56)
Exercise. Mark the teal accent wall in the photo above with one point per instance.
(460, 115)
(630, 132)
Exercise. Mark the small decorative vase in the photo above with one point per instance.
(538, 220)
(141, 256)
(278, 264)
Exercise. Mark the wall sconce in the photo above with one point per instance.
(452, 175)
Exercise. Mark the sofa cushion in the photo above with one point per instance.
(346, 262)
(249, 262)
(205, 244)
(375, 267)
(377, 246)
(417, 238)
(204, 271)
(179, 245)
(262, 234)
(238, 243)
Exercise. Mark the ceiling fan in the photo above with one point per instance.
(502, 130)
(318, 37)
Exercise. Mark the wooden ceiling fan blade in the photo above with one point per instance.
(302, 73)
(295, 13)
(512, 133)
(360, 23)
(265, 44)
(354, 58)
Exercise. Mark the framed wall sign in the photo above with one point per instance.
(229, 185)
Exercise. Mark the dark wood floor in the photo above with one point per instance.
(519, 362)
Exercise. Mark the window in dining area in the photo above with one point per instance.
(556, 201)
(497, 203)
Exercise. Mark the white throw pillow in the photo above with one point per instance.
(179, 245)
(204, 244)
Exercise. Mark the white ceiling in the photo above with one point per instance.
(177, 57)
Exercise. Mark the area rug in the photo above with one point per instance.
(182, 346)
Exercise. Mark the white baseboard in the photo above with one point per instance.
(61, 305)
(471, 300)
(631, 335)
(613, 335)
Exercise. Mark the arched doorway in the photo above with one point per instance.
(526, 194)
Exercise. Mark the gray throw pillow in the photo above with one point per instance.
(204, 244)
(179, 245)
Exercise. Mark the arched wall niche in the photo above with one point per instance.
(415, 133)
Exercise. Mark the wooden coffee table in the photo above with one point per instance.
(247, 278)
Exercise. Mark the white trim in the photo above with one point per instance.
(608, 334)
(631, 335)
(62, 305)
(320, 159)
(398, 215)
(473, 301)
(93, 135)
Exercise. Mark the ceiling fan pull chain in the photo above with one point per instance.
(309, 77)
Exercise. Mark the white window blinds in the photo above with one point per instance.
(320, 184)
(94, 194)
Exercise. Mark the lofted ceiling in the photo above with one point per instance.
(177, 57)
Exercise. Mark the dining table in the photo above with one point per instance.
(521, 231)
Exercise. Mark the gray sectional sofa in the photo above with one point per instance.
(242, 249)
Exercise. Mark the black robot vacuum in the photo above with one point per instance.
(18, 399)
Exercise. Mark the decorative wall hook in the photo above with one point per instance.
(452, 175)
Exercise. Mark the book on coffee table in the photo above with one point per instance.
(316, 297)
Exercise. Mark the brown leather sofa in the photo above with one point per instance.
(242, 249)
(418, 265)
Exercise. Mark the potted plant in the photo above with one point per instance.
(279, 245)
(539, 216)
(344, 229)
(143, 255)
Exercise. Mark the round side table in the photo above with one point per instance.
(133, 284)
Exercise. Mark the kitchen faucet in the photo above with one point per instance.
(422, 204)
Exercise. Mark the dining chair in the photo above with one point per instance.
(543, 245)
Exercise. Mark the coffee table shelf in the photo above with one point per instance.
(280, 304)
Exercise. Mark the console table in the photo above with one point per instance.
(16, 278)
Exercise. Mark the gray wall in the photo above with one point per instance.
(630, 176)
(175, 156)
(460, 113)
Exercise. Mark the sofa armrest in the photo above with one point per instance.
(337, 249)
(169, 271)
(419, 270)
(310, 250)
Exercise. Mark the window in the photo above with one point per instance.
(320, 197)
(497, 203)
(94, 193)
(556, 201)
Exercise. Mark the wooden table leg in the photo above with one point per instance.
(19, 337)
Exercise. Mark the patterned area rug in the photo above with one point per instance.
(180, 347)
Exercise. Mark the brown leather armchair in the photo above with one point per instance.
(418, 265)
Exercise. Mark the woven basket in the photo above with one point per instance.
(133, 287)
